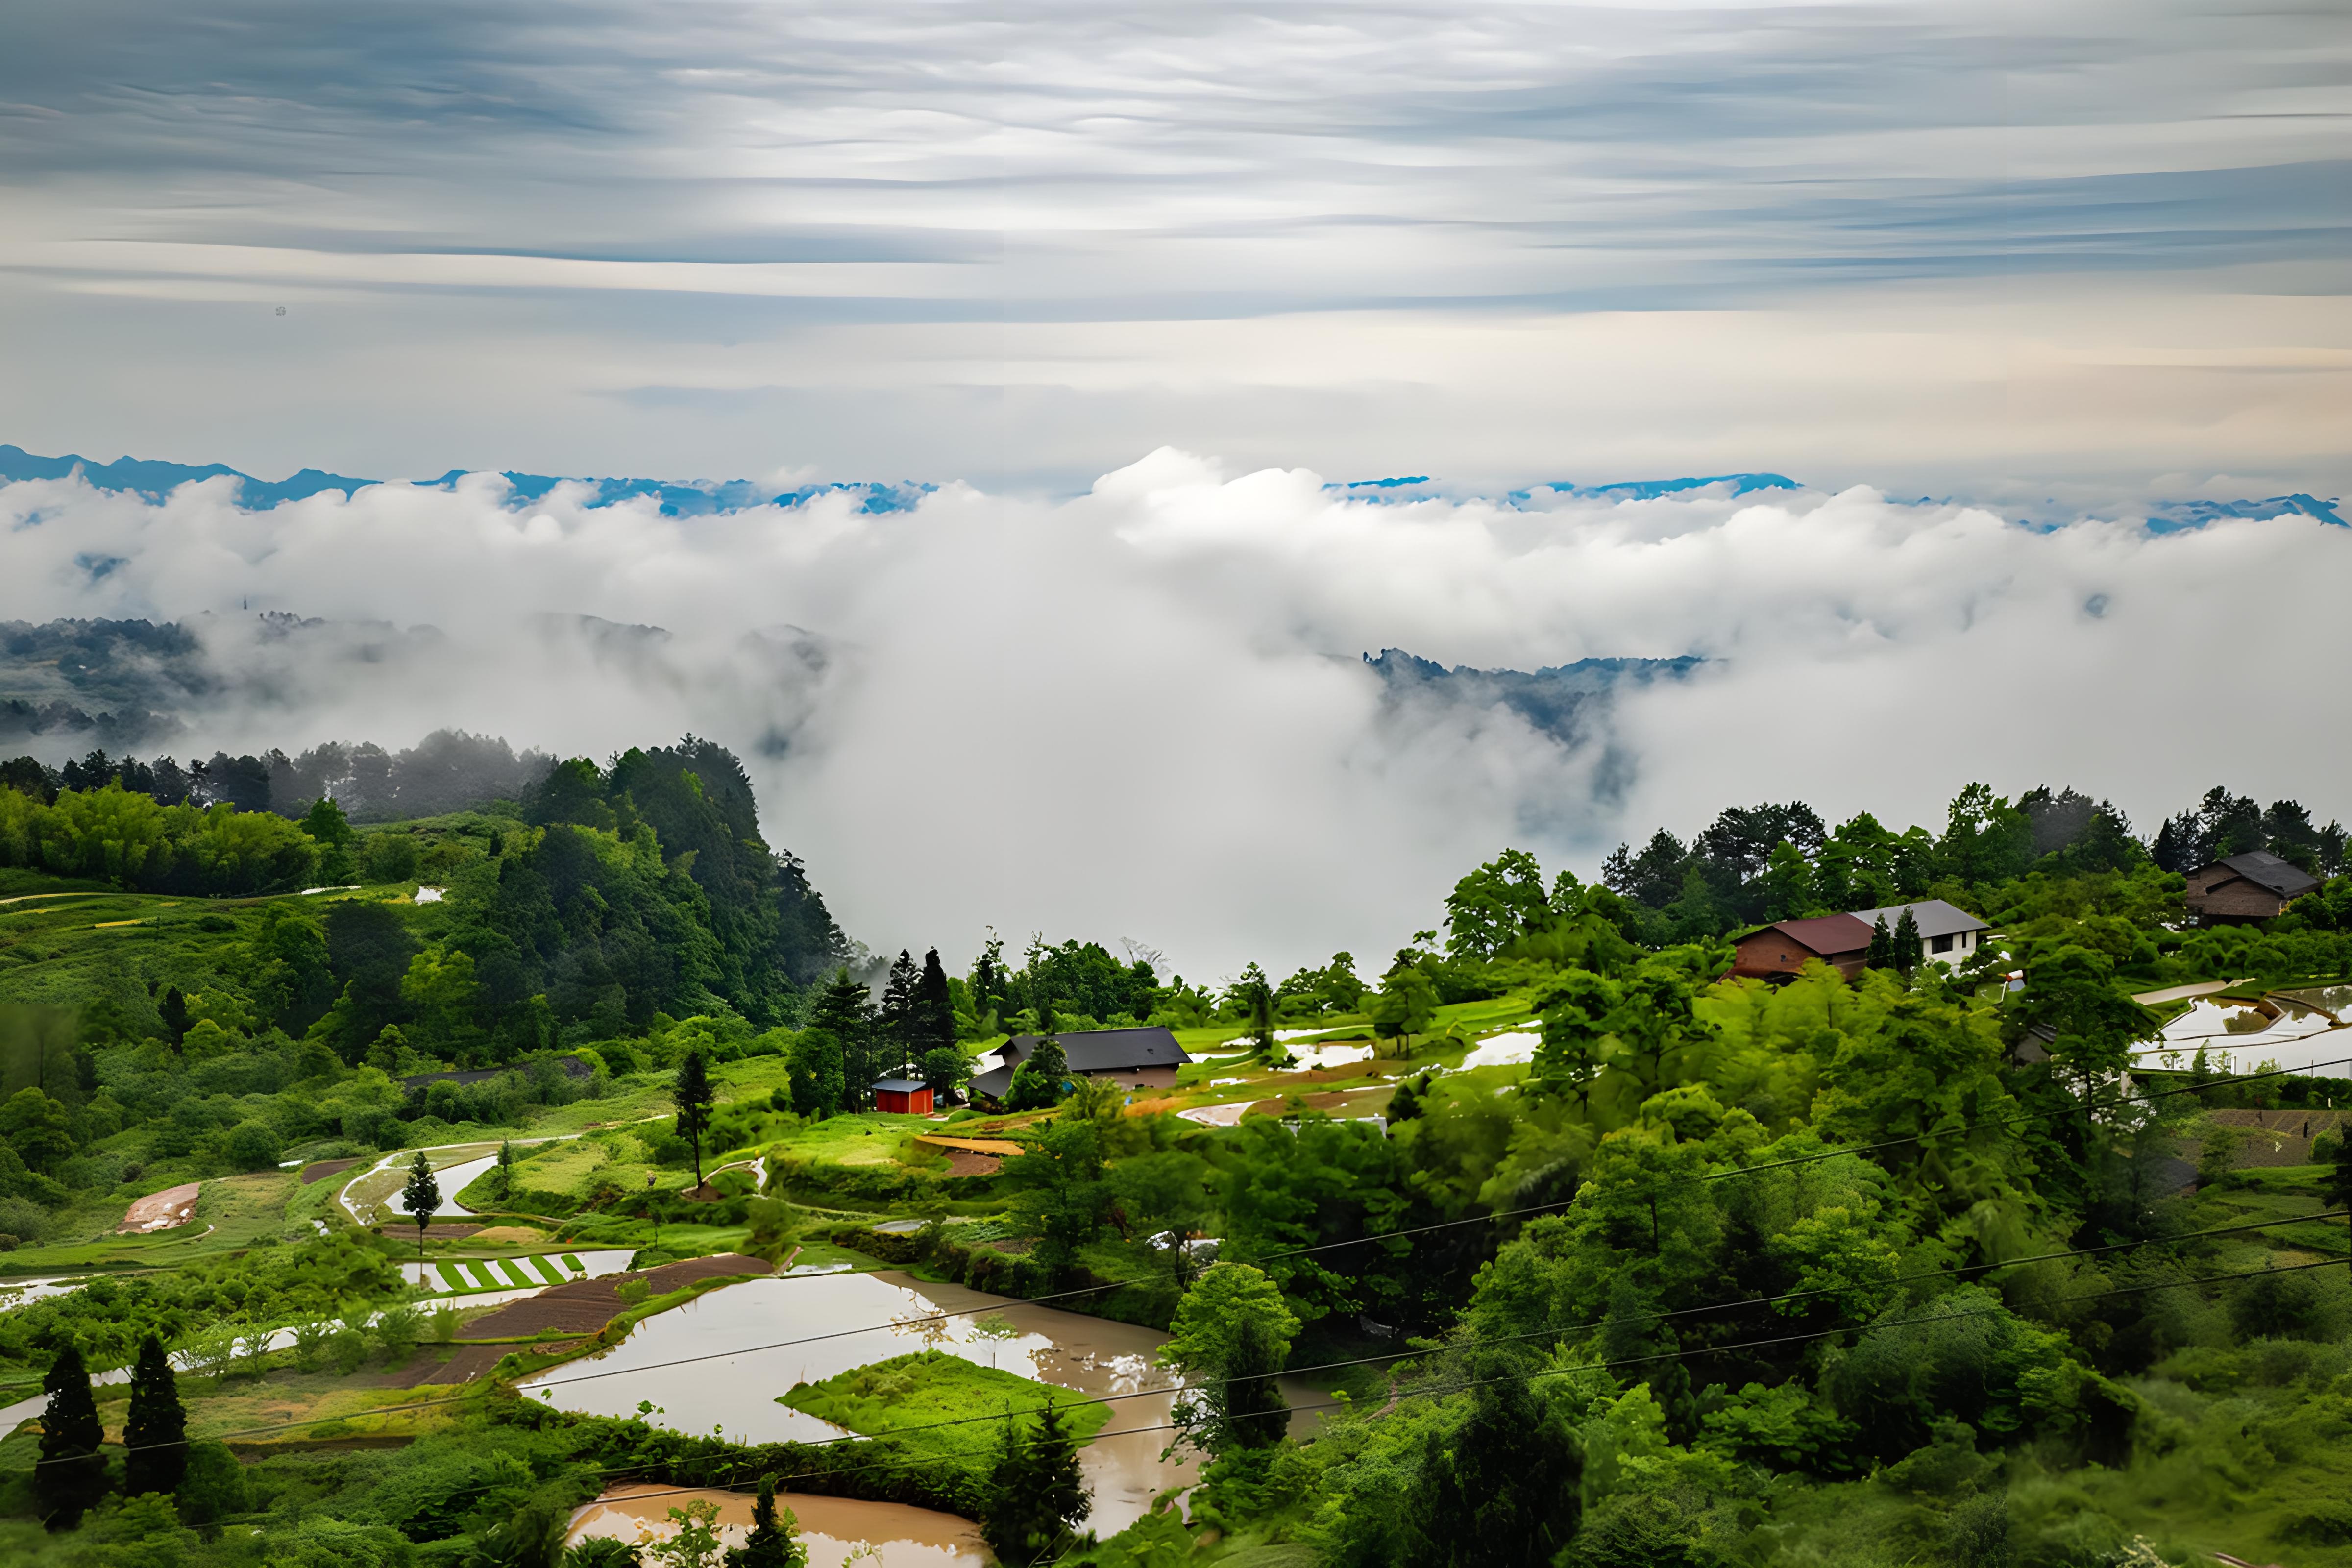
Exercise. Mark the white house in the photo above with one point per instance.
(1949, 934)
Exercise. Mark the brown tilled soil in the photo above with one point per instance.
(964, 1163)
(325, 1168)
(463, 1364)
(585, 1306)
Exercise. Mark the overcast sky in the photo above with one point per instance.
(1988, 248)
(1131, 286)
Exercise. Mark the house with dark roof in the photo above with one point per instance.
(2255, 885)
(1134, 1059)
(1948, 935)
(1785, 947)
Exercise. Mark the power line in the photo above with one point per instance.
(1555, 1331)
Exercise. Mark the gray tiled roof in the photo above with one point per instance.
(2265, 869)
(1934, 918)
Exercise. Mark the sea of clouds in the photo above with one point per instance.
(1143, 712)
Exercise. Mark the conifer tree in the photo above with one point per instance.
(1905, 942)
(898, 1024)
(506, 1170)
(157, 1430)
(935, 1024)
(70, 1475)
(1035, 1495)
(420, 1197)
(1882, 946)
(773, 1544)
(692, 1092)
(844, 1010)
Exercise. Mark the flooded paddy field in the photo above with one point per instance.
(831, 1324)
(882, 1534)
(2286, 1029)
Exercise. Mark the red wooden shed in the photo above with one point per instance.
(903, 1096)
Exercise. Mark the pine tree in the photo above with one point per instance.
(1882, 946)
(1905, 942)
(773, 1544)
(70, 1475)
(898, 1009)
(506, 1170)
(420, 1197)
(1034, 1494)
(692, 1092)
(935, 1023)
(844, 1010)
(157, 1430)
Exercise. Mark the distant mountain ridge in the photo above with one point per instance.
(154, 479)
(1564, 700)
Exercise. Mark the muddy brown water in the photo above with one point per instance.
(887, 1534)
(837, 1322)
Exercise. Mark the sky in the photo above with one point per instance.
(1133, 287)
(1994, 249)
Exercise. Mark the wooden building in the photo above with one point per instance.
(902, 1096)
(1785, 947)
(2255, 885)
(1132, 1058)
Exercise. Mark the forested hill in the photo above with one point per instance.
(600, 898)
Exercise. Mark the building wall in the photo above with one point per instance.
(1964, 947)
(2231, 898)
(1770, 952)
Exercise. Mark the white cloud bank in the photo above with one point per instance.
(1140, 712)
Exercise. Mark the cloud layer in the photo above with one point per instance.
(1142, 712)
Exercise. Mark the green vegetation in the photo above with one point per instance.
(942, 1406)
(1894, 1270)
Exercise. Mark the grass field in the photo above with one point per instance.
(932, 1386)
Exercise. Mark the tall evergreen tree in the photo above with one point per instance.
(70, 1475)
(935, 1024)
(774, 1543)
(695, 1096)
(899, 1011)
(157, 1430)
(1035, 1496)
(1253, 1412)
(1905, 942)
(844, 1010)
(1882, 946)
(420, 1197)
(506, 1170)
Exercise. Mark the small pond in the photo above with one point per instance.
(869, 1318)
(1503, 1050)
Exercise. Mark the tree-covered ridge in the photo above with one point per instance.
(1772, 862)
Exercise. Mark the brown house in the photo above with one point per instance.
(1841, 942)
(2254, 886)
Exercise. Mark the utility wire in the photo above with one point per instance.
(1554, 1332)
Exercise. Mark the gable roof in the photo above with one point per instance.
(2265, 869)
(1828, 935)
(1090, 1051)
(898, 1085)
(1934, 918)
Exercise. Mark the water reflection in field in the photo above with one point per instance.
(2238, 1036)
(883, 1534)
(836, 1322)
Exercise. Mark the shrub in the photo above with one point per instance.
(252, 1146)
